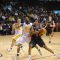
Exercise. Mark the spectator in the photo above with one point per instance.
(0, 28)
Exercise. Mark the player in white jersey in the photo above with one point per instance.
(17, 28)
(25, 37)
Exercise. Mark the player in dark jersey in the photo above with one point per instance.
(36, 34)
(50, 29)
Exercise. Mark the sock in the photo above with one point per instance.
(30, 57)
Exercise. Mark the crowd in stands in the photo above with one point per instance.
(9, 13)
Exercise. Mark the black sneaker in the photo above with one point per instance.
(1, 55)
(17, 54)
(49, 41)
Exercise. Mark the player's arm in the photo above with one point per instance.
(33, 31)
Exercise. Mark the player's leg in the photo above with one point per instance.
(48, 49)
(18, 49)
(12, 44)
(31, 45)
(29, 51)
(41, 43)
(38, 50)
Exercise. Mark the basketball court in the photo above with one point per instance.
(5, 42)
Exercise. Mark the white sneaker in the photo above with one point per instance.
(9, 49)
(30, 58)
(58, 56)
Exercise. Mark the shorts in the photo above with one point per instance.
(20, 40)
(16, 36)
(24, 38)
(49, 31)
(37, 40)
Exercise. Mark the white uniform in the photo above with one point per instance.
(25, 37)
(26, 34)
(18, 33)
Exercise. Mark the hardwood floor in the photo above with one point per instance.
(5, 42)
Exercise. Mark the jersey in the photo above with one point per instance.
(18, 31)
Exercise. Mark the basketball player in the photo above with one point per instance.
(50, 29)
(26, 36)
(17, 28)
(36, 34)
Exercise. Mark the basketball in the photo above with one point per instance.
(42, 31)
